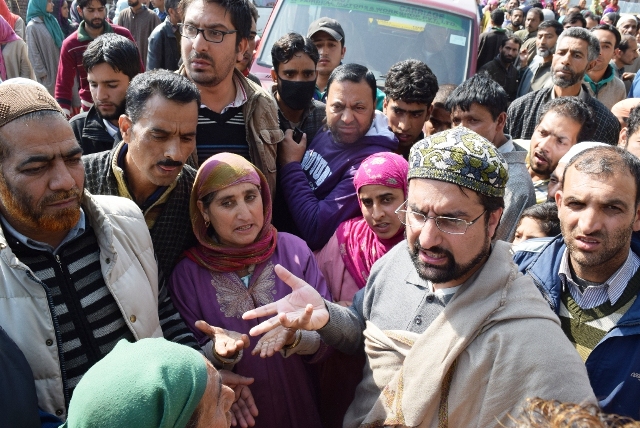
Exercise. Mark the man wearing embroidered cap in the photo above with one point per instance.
(451, 330)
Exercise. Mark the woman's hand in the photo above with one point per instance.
(243, 410)
(273, 341)
(226, 343)
(303, 309)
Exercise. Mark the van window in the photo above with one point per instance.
(379, 33)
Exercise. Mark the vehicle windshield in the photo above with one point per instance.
(379, 33)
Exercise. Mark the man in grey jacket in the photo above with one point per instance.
(480, 104)
(164, 41)
(451, 331)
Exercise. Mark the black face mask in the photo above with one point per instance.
(296, 95)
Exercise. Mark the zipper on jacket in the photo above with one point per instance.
(56, 327)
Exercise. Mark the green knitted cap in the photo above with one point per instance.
(152, 383)
(460, 156)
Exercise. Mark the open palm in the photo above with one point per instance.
(303, 309)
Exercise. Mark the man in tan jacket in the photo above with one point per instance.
(452, 332)
(236, 115)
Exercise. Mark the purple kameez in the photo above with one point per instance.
(283, 390)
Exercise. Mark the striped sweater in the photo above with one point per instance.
(88, 319)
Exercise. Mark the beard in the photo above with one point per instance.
(565, 82)
(120, 109)
(545, 53)
(210, 79)
(20, 207)
(94, 24)
(613, 244)
(506, 59)
(451, 270)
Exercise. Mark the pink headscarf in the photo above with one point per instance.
(360, 247)
(217, 173)
(6, 35)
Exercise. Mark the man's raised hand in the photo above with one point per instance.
(303, 309)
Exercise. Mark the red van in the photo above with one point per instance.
(379, 33)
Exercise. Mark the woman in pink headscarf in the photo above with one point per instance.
(14, 59)
(346, 260)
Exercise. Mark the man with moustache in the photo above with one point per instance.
(491, 40)
(316, 179)
(70, 66)
(538, 74)
(528, 35)
(517, 18)
(148, 166)
(563, 122)
(453, 334)
(589, 274)
(625, 56)
(501, 68)
(576, 53)
(111, 61)
(78, 270)
(236, 115)
(141, 21)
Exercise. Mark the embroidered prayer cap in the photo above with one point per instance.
(19, 99)
(462, 157)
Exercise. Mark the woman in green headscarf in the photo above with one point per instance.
(44, 39)
(152, 383)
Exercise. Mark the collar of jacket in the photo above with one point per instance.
(83, 36)
(608, 76)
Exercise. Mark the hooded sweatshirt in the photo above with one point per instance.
(319, 190)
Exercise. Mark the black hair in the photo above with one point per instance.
(552, 24)
(254, 11)
(290, 44)
(84, 3)
(482, 90)
(624, 42)
(120, 53)
(633, 122)
(411, 81)
(537, 5)
(355, 73)
(604, 161)
(497, 17)
(538, 11)
(611, 29)
(238, 10)
(572, 18)
(169, 85)
(546, 215)
(510, 12)
(171, 4)
(514, 39)
(573, 108)
(443, 93)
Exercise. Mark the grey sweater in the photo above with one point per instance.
(44, 55)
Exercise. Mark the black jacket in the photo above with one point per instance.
(91, 132)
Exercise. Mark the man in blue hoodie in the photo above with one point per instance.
(589, 274)
(317, 181)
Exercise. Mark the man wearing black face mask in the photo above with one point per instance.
(294, 71)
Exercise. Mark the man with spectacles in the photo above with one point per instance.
(236, 115)
(451, 330)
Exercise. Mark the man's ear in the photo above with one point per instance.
(79, 11)
(241, 49)
(126, 126)
(344, 50)
(591, 65)
(502, 120)
(622, 140)
(274, 76)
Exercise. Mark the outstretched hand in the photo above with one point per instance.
(303, 309)
(273, 341)
(243, 409)
(226, 343)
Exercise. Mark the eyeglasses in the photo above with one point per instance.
(453, 226)
(213, 36)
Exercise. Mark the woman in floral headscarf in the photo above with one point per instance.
(231, 271)
(44, 38)
(14, 59)
(346, 260)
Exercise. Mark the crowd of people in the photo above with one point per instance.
(180, 247)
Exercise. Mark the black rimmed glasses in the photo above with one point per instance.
(453, 226)
(213, 36)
